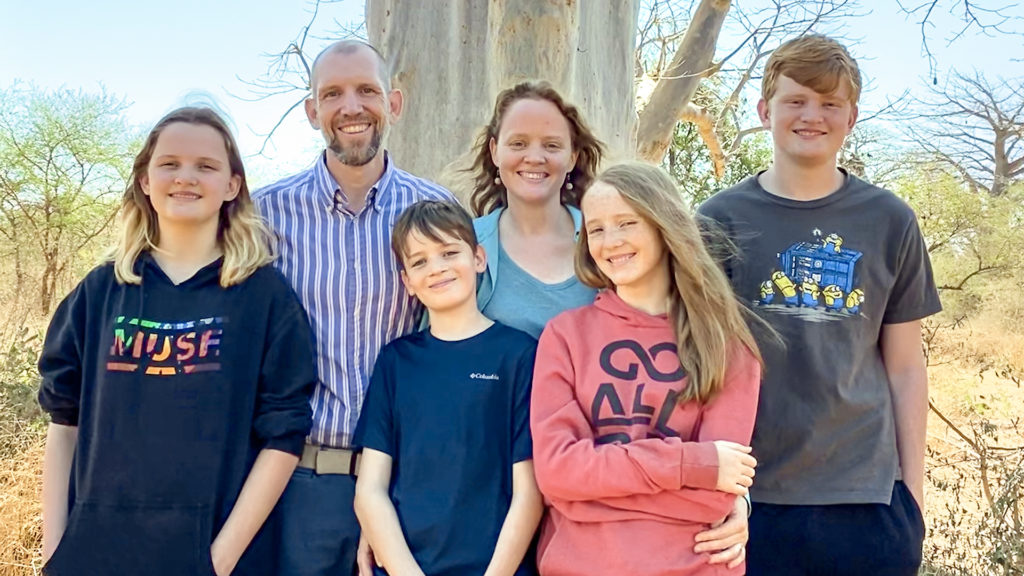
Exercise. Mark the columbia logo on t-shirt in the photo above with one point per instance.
(480, 376)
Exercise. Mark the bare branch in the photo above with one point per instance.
(974, 125)
(987, 21)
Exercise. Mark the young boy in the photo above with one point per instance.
(446, 483)
(839, 269)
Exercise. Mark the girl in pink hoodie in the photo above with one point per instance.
(644, 401)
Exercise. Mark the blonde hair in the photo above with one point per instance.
(815, 61)
(707, 317)
(488, 196)
(241, 234)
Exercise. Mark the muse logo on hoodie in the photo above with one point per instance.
(166, 348)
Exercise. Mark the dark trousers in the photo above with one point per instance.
(319, 532)
(837, 540)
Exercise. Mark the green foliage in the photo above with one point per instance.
(975, 242)
(969, 234)
(23, 422)
(688, 158)
(64, 158)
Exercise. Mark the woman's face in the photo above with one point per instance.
(533, 151)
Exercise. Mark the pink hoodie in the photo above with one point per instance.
(628, 474)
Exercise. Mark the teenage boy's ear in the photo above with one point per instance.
(762, 113)
(854, 111)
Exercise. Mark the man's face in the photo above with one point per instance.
(807, 128)
(350, 106)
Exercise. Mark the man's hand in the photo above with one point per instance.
(726, 541)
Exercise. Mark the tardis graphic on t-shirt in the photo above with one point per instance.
(815, 276)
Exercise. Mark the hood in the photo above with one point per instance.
(153, 275)
(609, 302)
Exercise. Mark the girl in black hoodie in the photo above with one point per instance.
(176, 375)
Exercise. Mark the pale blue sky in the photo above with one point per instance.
(156, 53)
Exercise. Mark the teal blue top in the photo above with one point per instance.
(522, 301)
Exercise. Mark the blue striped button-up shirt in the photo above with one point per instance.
(342, 268)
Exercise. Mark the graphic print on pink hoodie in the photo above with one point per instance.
(628, 474)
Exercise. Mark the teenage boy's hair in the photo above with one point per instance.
(432, 218)
(707, 317)
(815, 61)
(241, 234)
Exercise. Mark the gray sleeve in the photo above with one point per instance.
(913, 295)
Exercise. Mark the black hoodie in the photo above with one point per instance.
(174, 389)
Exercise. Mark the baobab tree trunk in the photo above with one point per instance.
(451, 58)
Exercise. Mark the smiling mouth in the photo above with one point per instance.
(441, 284)
(809, 132)
(185, 195)
(535, 176)
(355, 128)
(619, 260)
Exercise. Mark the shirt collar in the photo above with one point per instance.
(327, 188)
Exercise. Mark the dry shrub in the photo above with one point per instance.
(976, 505)
(975, 460)
(21, 528)
(22, 430)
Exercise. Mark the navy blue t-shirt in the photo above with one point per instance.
(454, 416)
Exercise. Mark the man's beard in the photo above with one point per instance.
(356, 155)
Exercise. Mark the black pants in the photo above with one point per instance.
(837, 540)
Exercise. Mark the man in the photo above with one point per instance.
(839, 269)
(333, 223)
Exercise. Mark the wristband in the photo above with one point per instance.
(750, 505)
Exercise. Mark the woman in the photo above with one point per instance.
(532, 161)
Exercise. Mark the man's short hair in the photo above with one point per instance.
(349, 46)
(432, 219)
(815, 61)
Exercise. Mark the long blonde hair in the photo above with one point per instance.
(241, 234)
(707, 317)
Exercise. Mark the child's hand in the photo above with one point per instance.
(364, 557)
(735, 467)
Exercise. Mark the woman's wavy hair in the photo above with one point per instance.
(241, 234)
(488, 196)
(707, 317)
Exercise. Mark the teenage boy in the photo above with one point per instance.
(446, 481)
(839, 269)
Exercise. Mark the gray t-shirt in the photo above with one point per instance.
(826, 274)
(525, 303)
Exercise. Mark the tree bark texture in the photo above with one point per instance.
(452, 57)
(690, 65)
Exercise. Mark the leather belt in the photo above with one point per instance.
(324, 460)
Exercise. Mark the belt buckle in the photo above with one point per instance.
(336, 461)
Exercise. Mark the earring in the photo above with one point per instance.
(568, 183)
(497, 180)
